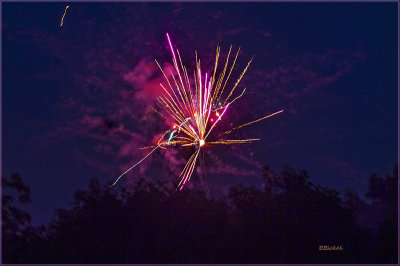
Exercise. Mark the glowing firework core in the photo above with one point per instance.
(201, 142)
(190, 104)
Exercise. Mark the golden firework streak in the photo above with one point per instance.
(252, 122)
(62, 19)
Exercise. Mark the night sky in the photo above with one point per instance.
(76, 99)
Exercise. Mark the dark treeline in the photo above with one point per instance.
(286, 222)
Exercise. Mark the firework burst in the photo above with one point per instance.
(194, 108)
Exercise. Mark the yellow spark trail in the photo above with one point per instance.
(62, 19)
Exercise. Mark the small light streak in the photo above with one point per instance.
(62, 19)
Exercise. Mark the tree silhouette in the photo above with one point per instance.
(286, 222)
(383, 192)
(17, 234)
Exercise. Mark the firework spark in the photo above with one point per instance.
(62, 19)
(195, 108)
